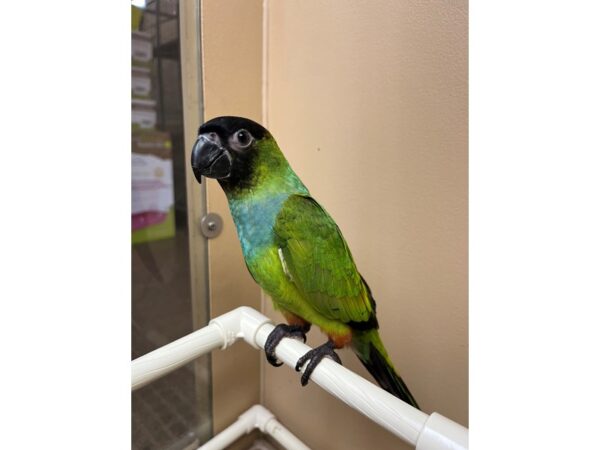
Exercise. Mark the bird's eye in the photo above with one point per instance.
(241, 139)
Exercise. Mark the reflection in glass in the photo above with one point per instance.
(172, 412)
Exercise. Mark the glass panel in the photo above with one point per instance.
(172, 412)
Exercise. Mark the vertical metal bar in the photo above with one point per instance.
(180, 90)
(193, 116)
(159, 69)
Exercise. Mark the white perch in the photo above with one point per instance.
(424, 432)
(257, 417)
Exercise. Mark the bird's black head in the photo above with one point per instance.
(225, 148)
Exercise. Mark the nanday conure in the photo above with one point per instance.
(293, 249)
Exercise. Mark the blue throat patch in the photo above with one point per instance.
(254, 220)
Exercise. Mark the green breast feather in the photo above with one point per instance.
(319, 262)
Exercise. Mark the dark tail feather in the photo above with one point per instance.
(377, 363)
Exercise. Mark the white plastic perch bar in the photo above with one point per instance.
(256, 417)
(434, 432)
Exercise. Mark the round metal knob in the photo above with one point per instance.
(211, 225)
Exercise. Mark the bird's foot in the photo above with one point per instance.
(281, 331)
(315, 356)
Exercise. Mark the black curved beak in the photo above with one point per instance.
(210, 158)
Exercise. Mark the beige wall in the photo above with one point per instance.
(370, 106)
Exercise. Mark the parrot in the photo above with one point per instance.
(293, 249)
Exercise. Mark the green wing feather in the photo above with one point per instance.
(319, 262)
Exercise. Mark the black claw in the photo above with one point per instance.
(273, 360)
(282, 330)
(315, 356)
